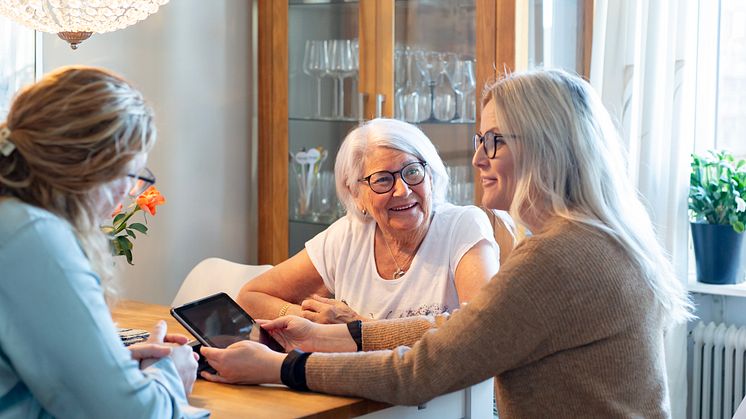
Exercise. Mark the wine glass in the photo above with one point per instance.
(413, 99)
(341, 65)
(429, 64)
(400, 77)
(468, 85)
(315, 64)
(444, 95)
(355, 102)
(464, 83)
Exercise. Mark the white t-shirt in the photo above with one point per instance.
(343, 255)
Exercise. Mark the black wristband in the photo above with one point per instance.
(293, 371)
(356, 332)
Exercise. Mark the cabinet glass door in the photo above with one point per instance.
(323, 106)
(435, 81)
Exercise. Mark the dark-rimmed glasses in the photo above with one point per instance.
(381, 182)
(143, 180)
(489, 142)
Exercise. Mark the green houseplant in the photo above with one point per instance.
(717, 211)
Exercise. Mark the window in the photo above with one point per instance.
(17, 60)
(721, 77)
(720, 112)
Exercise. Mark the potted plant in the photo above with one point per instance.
(717, 210)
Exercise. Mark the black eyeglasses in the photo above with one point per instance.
(143, 180)
(489, 142)
(381, 182)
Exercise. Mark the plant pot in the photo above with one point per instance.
(717, 251)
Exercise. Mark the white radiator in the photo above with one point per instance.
(717, 370)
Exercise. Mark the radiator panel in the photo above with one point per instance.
(717, 386)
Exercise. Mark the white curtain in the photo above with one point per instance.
(642, 66)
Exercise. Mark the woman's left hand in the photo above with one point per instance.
(157, 346)
(326, 310)
(244, 362)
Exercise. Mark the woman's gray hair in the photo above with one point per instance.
(568, 154)
(386, 133)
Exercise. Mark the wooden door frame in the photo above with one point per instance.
(272, 178)
(495, 51)
(376, 40)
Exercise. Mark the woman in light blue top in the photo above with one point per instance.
(73, 145)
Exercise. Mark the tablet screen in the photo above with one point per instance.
(220, 322)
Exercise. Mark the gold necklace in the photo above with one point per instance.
(399, 271)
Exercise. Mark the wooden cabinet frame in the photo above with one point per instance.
(273, 131)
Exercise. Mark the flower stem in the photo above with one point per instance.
(123, 223)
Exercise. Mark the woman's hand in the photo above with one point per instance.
(326, 310)
(151, 349)
(244, 362)
(294, 332)
(174, 346)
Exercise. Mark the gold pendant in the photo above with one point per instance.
(399, 273)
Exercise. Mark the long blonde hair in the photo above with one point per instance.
(74, 132)
(567, 153)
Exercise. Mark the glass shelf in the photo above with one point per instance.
(322, 119)
(355, 120)
(319, 2)
(326, 221)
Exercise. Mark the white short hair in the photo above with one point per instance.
(387, 133)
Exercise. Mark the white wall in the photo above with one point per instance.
(193, 61)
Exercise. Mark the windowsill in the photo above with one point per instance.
(737, 290)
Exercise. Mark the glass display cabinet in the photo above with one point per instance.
(326, 66)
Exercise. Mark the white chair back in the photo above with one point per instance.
(215, 275)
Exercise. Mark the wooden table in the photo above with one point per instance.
(232, 401)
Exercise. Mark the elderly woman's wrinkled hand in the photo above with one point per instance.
(326, 310)
(244, 362)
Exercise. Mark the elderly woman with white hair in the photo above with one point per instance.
(400, 251)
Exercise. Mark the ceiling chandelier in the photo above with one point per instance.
(76, 20)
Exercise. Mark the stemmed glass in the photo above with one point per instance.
(464, 83)
(400, 78)
(469, 87)
(444, 94)
(355, 110)
(316, 64)
(430, 65)
(413, 99)
(341, 65)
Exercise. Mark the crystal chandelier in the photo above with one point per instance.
(76, 20)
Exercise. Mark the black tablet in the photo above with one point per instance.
(219, 321)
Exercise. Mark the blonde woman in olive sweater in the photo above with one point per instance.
(572, 325)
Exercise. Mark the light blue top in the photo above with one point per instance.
(60, 355)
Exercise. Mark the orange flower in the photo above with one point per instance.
(117, 210)
(150, 199)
